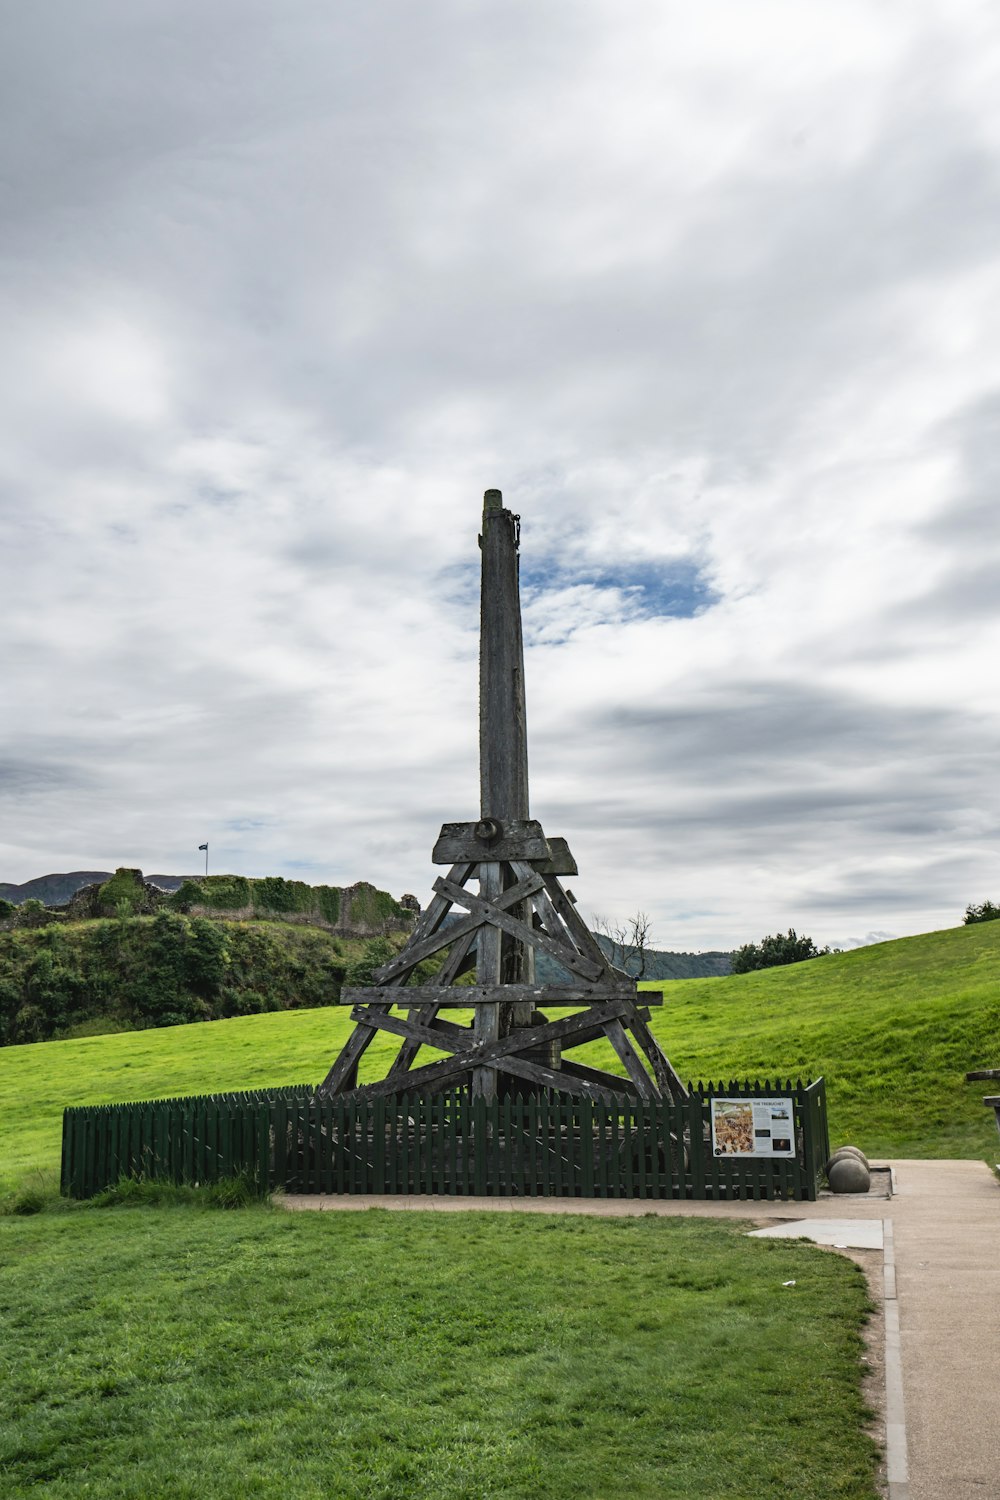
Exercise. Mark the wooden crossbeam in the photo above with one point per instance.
(408, 1051)
(407, 960)
(663, 1070)
(343, 1075)
(618, 1037)
(461, 957)
(490, 912)
(459, 997)
(581, 933)
(570, 1069)
(605, 1092)
(515, 838)
(487, 1054)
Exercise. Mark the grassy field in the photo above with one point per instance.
(184, 1353)
(384, 1355)
(892, 1028)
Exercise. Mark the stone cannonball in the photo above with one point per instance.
(843, 1151)
(848, 1175)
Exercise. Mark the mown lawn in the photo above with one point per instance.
(178, 1352)
(892, 1028)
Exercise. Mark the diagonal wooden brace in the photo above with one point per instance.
(416, 950)
(491, 912)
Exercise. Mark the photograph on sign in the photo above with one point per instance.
(753, 1127)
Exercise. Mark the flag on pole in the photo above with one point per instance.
(202, 846)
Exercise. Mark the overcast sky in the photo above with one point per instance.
(712, 293)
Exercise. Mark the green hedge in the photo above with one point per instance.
(159, 971)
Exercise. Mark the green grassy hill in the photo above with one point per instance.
(892, 1028)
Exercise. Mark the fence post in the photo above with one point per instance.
(695, 1184)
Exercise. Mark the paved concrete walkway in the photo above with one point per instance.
(941, 1235)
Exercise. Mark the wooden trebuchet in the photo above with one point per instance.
(520, 909)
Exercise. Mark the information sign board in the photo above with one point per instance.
(753, 1127)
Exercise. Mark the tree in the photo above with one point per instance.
(987, 912)
(376, 952)
(627, 942)
(771, 952)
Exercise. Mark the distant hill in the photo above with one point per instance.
(56, 890)
(659, 965)
(52, 890)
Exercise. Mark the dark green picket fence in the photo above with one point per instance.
(448, 1144)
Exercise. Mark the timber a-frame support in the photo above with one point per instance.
(519, 909)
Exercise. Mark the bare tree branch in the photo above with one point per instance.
(628, 943)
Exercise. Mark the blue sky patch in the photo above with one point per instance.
(674, 589)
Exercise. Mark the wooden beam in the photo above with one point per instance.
(581, 933)
(407, 1053)
(427, 924)
(486, 1021)
(503, 735)
(489, 912)
(343, 1075)
(618, 1038)
(566, 1083)
(487, 1054)
(416, 950)
(663, 1070)
(598, 1075)
(457, 997)
(417, 1029)
(560, 860)
(515, 838)
(461, 957)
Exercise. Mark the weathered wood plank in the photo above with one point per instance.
(554, 1078)
(415, 951)
(405, 1056)
(418, 1030)
(344, 1072)
(461, 957)
(597, 1075)
(438, 907)
(486, 1021)
(490, 912)
(487, 1054)
(547, 918)
(519, 838)
(456, 997)
(503, 736)
(580, 932)
(618, 1037)
(560, 861)
(667, 1079)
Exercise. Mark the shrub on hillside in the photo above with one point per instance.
(771, 952)
(987, 912)
(376, 952)
(189, 893)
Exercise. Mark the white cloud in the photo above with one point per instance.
(710, 295)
